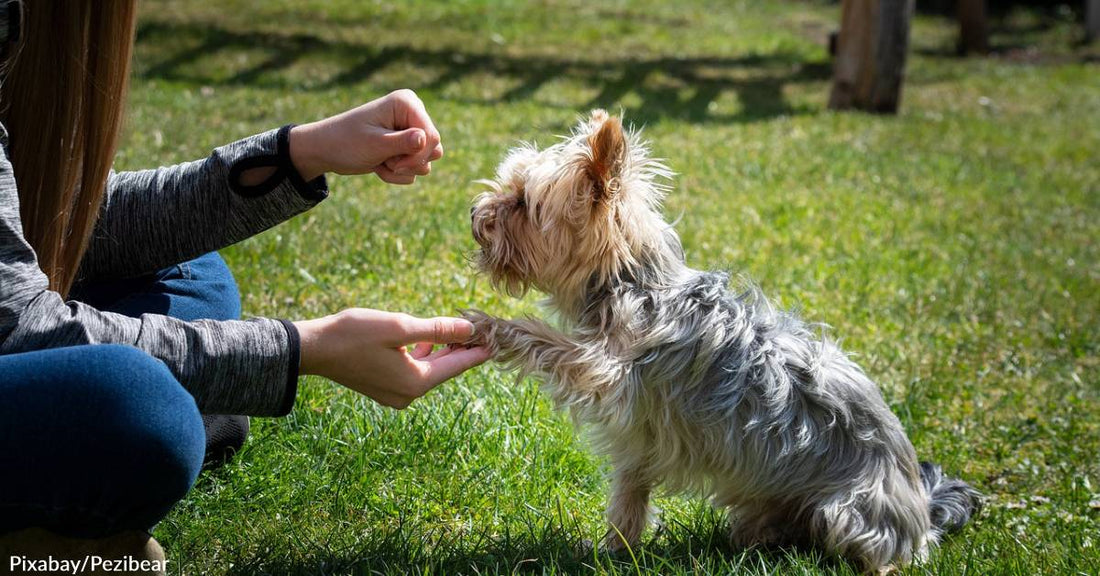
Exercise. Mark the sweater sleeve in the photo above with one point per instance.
(155, 218)
(239, 367)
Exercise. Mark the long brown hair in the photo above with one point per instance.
(62, 99)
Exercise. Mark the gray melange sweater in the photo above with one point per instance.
(156, 218)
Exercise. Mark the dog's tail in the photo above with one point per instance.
(951, 502)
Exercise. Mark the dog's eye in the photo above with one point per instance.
(521, 202)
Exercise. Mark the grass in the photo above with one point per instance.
(954, 248)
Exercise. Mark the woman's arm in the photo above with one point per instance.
(154, 218)
(242, 367)
(237, 367)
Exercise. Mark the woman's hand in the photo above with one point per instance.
(367, 351)
(392, 137)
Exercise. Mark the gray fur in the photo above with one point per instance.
(953, 502)
(690, 386)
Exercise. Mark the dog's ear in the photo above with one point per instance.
(608, 145)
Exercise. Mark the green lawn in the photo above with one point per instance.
(955, 249)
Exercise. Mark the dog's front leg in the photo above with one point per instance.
(580, 373)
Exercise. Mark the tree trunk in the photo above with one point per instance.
(870, 61)
(1092, 20)
(973, 27)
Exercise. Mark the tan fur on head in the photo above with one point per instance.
(573, 214)
(608, 146)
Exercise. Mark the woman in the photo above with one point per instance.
(117, 318)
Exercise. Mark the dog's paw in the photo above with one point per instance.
(484, 325)
(586, 549)
(614, 546)
(583, 548)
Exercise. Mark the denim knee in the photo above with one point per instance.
(216, 286)
(199, 289)
(150, 413)
(104, 437)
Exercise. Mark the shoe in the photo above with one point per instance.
(225, 435)
(37, 550)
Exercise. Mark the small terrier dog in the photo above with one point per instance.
(685, 383)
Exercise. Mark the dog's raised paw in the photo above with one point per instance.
(483, 328)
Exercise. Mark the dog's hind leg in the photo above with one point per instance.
(765, 523)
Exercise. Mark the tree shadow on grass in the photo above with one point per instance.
(648, 89)
(1019, 33)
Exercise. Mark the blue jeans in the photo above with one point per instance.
(100, 439)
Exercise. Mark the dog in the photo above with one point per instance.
(686, 384)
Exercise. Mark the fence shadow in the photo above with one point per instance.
(662, 87)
